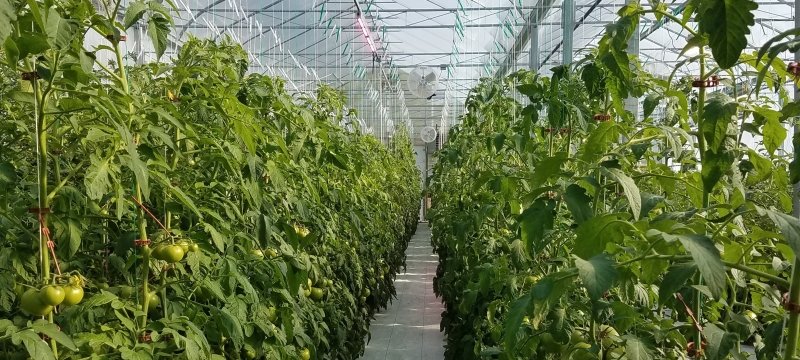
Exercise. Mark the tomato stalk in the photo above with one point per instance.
(794, 318)
(701, 100)
(793, 324)
(142, 219)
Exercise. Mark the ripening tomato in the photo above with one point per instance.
(52, 295)
(305, 354)
(73, 294)
(31, 303)
(173, 254)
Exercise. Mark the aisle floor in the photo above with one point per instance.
(409, 328)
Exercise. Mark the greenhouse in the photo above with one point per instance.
(399, 179)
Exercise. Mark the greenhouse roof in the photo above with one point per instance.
(312, 41)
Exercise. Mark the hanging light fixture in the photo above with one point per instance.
(364, 28)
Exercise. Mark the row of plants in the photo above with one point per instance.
(183, 209)
(568, 228)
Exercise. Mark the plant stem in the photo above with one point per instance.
(43, 203)
(701, 99)
(794, 317)
(145, 249)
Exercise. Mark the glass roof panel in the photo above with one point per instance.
(314, 41)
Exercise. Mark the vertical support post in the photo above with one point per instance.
(568, 27)
(796, 187)
(534, 52)
(138, 48)
(632, 103)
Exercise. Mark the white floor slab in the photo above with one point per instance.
(409, 328)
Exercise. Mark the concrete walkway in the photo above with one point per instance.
(409, 328)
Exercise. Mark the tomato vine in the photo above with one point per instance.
(569, 227)
(197, 211)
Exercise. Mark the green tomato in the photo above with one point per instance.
(31, 303)
(272, 253)
(257, 253)
(153, 302)
(158, 251)
(607, 335)
(576, 337)
(194, 247)
(173, 254)
(52, 295)
(548, 344)
(317, 293)
(272, 314)
(125, 291)
(305, 354)
(750, 315)
(73, 294)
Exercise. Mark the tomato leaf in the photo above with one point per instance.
(578, 203)
(547, 168)
(789, 225)
(636, 349)
(158, 30)
(774, 135)
(534, 221)
(232, 326)
(629, 188)
(650, 103)
(715, 165)
(720, 343)
(97, 177)
(37, 348)
(133, 13)
(720, 111)
(674, 280)
(727, 24)
(598, 141)
(593, 235)
(519, 309)
(7, 17)
(60, 31)
(597, 274)
(52, 331)
(707, 258)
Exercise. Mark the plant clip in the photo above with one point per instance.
(35, 210)
(548, 130)
(141, 243)
(145, 338)
(712, 81)
(116, 38)
(29, 76)
(793, 68)
(602, 117)
(691, 348)
(791, 307)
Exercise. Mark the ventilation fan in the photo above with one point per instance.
(428, 134)
(422, 82)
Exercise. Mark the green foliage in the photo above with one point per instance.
(604, 239)
(727, 24)
(268, 186)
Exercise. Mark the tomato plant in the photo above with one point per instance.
(569, 228)
(184, 207)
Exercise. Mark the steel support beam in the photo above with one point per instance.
(534, 17)
(534, 50)
(568, 28)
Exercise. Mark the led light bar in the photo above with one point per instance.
(365, 31)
